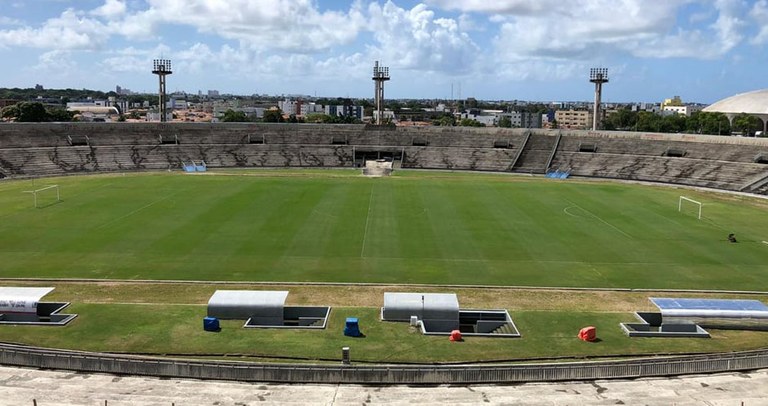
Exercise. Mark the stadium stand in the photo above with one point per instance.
(536, 154)
(44, 149)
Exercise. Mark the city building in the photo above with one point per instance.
(574, 119)
(675, 105)
(346, 110)
(523, 119)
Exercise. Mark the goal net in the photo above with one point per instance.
(45, 196)
(689, 206)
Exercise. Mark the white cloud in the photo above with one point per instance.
(291, 25)
(293, 43)
(111, 9)
(415, 39)
(68, 31)
(4, 20)
(708, 42)
(759, 15)
(56, 62)
(591, 30)
(517, 7)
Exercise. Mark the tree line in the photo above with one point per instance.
(30, 112)
(700, 122)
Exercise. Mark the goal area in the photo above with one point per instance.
(687, 205)
(45, 196)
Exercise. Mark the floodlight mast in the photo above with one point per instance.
(380, 75)
(161, 68)
(598, 76)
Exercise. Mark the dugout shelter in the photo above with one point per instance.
(688, 317)
(440, 314)
(265, 308)
(24, 305)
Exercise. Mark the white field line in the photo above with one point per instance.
(91, 190)
(367, 220)
(449, 260)
(107, 302)
(565, 210)
(601, 220)
(478, 260)
(136, 211)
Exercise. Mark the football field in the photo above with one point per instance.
(414, 227)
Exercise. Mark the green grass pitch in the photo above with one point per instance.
(415, 227)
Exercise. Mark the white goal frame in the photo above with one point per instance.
(36, 191)
(680, 204)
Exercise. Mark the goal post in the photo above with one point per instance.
(687, 202)
(44, 196)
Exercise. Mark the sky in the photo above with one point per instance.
(536, 50)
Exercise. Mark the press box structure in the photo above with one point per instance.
(24, 305)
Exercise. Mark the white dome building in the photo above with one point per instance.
(754, 103)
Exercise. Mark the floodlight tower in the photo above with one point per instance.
(161, 68)
(380, 75)
(598, 76)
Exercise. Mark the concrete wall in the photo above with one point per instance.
(16, 135)
(11, 355)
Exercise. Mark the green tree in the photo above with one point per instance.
(673, 123)
(28, 112)
(273, 116)
(746, 124)
(444, 119)
(505, 122)
(468, 122)
(318, 118)
(10, 112)
(703, 122)
(60, 114)
(647, 121)
(32, 112)
(232, 116)
(622, 119)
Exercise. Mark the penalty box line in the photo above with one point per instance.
(136, 211)
(601, 220)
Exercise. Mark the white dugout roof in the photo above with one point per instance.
(244, 304)
(21, 299)
(426, 306)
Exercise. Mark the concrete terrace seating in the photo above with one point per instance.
(42, 149)
(687, 171)
(635, 146)
(480, 159)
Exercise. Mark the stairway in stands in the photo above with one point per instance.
(535, 155)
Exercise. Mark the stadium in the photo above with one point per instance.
(136, 225)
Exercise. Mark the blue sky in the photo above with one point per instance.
(540, 50)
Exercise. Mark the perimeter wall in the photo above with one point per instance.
(380, 374)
